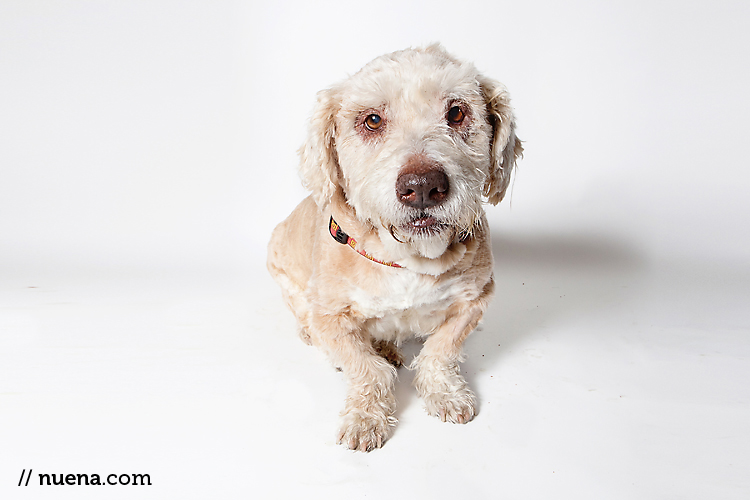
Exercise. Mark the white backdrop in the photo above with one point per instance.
(167, 131)
(160, 137)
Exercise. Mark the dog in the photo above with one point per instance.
(393, 242)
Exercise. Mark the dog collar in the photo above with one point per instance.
(345, 239)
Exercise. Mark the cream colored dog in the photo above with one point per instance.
(393, 242)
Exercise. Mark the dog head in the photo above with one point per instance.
(415, 142)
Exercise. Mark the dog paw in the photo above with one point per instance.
(305, 336)
(365, 432)
(458, 407)
(389, 351)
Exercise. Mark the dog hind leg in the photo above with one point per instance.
(390, 351)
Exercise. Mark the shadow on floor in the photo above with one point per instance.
(545, 281)
(583, 253)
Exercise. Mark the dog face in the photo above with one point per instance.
(415, 140)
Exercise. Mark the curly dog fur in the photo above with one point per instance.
(402, 156)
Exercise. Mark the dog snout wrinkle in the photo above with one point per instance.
(421, 185)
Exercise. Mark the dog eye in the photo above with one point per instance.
(455, 115)
(373, 122)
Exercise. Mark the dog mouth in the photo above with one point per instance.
(423, 224)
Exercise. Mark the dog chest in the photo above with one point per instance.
(405, 291)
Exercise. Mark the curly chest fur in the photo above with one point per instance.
(408, 304)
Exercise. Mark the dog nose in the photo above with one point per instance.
(421, 186)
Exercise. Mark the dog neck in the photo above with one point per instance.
(345, 239)
(379, 245)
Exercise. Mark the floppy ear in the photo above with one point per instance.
(319, 166)
(505, 147)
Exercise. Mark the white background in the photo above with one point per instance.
(147, 149)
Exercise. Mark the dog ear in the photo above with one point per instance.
(505, 147)
(319, 168)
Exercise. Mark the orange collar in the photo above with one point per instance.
(345, 239)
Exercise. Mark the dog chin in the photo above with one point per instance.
(431, 248)
(427, 236)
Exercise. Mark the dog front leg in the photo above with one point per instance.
(438, 379)
(367, 419)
